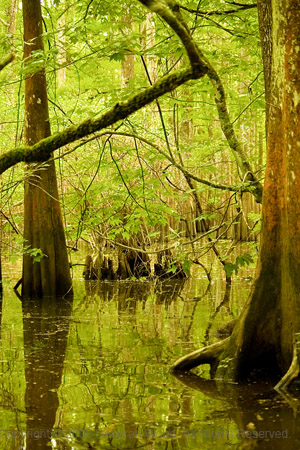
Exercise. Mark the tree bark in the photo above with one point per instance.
(43, 226)
(264, 341)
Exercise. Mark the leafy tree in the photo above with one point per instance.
(95, 50)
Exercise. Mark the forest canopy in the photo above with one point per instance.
(157, 136)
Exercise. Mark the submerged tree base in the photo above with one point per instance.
(252, 352)
(265, 341)
(132, 264)
(206, 355)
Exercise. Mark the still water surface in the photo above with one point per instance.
(94, 373)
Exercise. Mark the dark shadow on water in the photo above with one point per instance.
(264, 418)
(45, 328)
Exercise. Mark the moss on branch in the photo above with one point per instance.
(43, 149)
(169, 11)
(245, 169)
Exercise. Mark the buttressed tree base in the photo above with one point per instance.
(43, 225)
(265, 340)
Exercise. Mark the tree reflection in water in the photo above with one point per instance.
(45, 328)
(264, 418)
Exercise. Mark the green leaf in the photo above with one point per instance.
(230, 268)
(186, 267)
(119, 56)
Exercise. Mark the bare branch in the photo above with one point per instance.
(218, 12)
(4, 23)
(246, 171)
(169, 11)
(223, 187)
(5, 61)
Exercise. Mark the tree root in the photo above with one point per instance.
(206, 355)
(291, 374)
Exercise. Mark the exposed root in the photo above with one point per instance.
(206, 355)
(291, 374)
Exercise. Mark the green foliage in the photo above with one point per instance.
(35, 253)
(256, 218)
(122, 187)
(240, 261)
(35, 63)
(186, 266)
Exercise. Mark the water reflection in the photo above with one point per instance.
(264, 419)
(45, 328)
(118, 392)
(98, 372)
(128, 294)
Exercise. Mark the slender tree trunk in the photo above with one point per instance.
(127, 65)
(11, 30)
(43, 226)
(62, 54)
(265, 340)
(12, 17)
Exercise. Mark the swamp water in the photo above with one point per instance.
(94, 373)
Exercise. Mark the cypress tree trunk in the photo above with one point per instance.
(43, 225)
(267, 330)
(265, 338)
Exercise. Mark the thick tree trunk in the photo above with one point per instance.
(265, 336)
(264, 341)
(43, 226)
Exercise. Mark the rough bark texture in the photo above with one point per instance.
(43, 226)
(265, 29)
(265, 336)
(264, 340)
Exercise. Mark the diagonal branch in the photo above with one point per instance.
(42, 150)
(244, 167)
(169, 11)
(6, 60)
(218, 12)
(183, 170)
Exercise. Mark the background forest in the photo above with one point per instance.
(167, 177)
